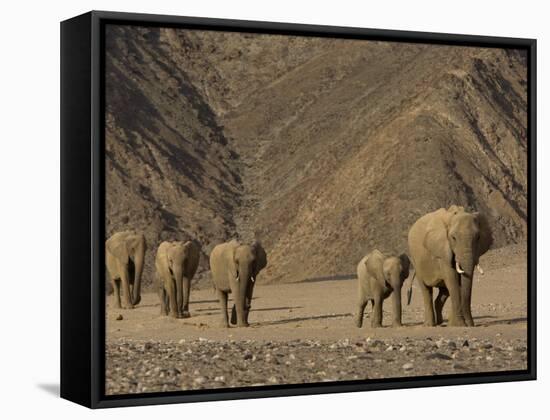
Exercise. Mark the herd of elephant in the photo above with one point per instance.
(444, 248)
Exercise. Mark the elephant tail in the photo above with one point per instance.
(410, 289)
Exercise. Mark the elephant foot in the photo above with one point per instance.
(397, 324)
(376, 325)
(429, 323)
(470, 322)
(185, 314)
(457, 322)
(137, 301)
(358, 322)
(128, 307)
(243, 324)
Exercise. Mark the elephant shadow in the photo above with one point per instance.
(351, 276)
(481, 321)
(280, 308)
(307, 318)
(494, 320)
(193, 302)
(216, 310)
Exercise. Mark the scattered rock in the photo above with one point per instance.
(119, 317)
(206, 364)
(408, 366)
(439, 356)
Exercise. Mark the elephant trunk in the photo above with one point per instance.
(466, 263)
(139, 261)
(239, 313)
(178, 278)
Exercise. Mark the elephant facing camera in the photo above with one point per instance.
(378, 277)
(235, 268)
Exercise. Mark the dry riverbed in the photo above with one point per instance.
(304, 332)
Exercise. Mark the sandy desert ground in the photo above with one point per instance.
(304, 332)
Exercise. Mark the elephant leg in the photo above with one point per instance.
(361, 305)
(162, 298)
(131, 289)
(456, 319)
(396, 300)
(166, 303)
(186, 292)
(466, 299)
(172, 298)
(116, 293)
(376, 321)
(222, 298)
(427, 295)
(440, 300)
(128, 303)
(179, 296)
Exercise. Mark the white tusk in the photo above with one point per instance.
(480, 270)
(237, 278)
(458, 269)
(253, 279)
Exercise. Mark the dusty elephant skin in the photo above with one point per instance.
(445, 246)
(176, 264)
(124, 257)
(378, 277)
(234, 270)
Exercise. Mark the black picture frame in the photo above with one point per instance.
(83, 215)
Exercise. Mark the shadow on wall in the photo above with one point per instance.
(52, 389)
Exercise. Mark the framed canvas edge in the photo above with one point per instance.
(97, 329)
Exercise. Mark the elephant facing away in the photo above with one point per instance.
(176, 264)
(235, 268)
(124, 257)
(445, 246)
(379, 277)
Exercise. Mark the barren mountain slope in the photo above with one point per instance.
(322, 148)
(169, 169)
(347, 157)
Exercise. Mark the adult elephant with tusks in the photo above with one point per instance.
(445, 246)
(235, 268)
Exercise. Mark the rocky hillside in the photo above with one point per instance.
(321, 148)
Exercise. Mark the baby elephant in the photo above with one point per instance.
(378, 276)
(176, 264)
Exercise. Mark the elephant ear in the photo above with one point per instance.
(261, 257)
(232, 262)
(118, 249)
(485, 233)
(436, 241)
(405, 264)
(375, 264)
